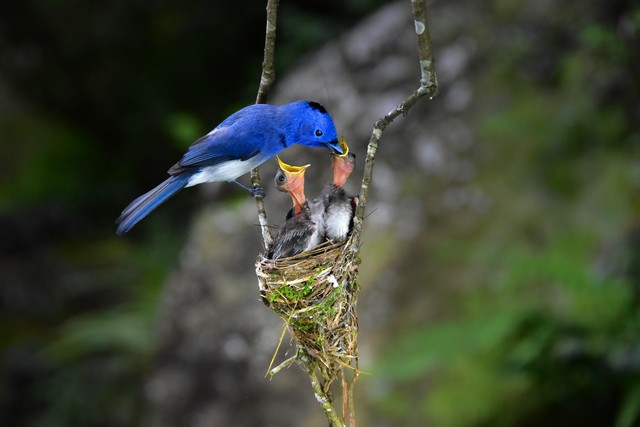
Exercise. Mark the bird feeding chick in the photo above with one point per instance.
(299, 233)
(334, 208)
(243, 141)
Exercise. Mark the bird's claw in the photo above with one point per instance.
(258, 192)
(255, 192)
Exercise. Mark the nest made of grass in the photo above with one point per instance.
(315, 293)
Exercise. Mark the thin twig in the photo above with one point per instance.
(428, 87)
(266, 80)
(268, 72)
(321, 395)
(290, 361)
(267, 239)
(352, 407)
(275, 353)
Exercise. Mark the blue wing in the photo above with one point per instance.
(250, 110)
(240, 137)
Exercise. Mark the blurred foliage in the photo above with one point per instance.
(546, 328)
(553, 343)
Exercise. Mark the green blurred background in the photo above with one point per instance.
(541, 325)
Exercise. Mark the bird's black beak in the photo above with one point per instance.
(335, 146)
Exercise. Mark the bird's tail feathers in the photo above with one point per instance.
(143, 205)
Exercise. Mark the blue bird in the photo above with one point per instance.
(243, 141)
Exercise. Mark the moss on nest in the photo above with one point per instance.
(316, 293)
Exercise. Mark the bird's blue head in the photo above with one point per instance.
(316, 128)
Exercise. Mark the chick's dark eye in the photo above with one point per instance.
(280, 178)
(318, 132)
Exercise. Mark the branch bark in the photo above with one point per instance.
(428, 87)
(321, 395)
(268, 72)
(266, 80)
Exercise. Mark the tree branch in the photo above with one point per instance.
(321, 395)
(428, 87)
(268, 72)
(266, 80)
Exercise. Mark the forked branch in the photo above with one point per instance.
(428, 87)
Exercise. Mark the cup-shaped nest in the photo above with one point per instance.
(315, 293)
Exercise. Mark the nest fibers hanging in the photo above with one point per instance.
(315, 293)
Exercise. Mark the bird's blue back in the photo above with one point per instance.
(260, 130)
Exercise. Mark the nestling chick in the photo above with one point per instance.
(297, 233)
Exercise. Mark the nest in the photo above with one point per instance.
(315, 293)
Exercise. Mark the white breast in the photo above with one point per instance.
(337, 222)
(226, 171)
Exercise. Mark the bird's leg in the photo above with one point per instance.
(255, 192)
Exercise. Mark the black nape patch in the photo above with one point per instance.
(315, 106)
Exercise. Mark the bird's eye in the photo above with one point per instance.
(280, 178)
(318, 132)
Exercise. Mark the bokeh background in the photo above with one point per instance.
(501, 261)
